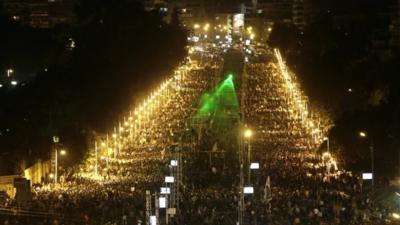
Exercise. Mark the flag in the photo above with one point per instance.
(267, 191)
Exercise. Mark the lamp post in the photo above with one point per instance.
(56, 139)
(247, 135)
(363, 134)
(62, 153)
(327, 142)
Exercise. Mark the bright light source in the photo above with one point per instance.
(169, 179)
(269, 29)
(367, 176)
(350, 90)
(14, 83)
(363, 134)
(165, 190)
(217, 37)
(174, 162)
(10, 72)
(396, 216)
(248, 190)
(51, 176)
(153, 220)
(326, 155)
(1, 85)
(195, 38)
(196, 26)
(254, 166)
(110, 151)
(248, 133)
(162, 202)
(247, 42)
(63, 152)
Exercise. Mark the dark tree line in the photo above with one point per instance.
(121, 51)
(339, 67)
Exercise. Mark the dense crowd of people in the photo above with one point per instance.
(294, 184)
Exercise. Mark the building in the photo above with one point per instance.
(16, 187)
(40, 13)
(275, 11)
(38, 172)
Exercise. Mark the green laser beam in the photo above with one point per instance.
(220, 105)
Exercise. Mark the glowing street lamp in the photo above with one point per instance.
(10, 72)
(248, 133)
(362, 134)
(62, 153)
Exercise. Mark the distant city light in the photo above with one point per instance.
(1, 85)
(14, 83)
(363, 134)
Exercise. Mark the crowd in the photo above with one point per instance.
(128, 164)
(294, 185)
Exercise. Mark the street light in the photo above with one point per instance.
(62, 153)
(364, 134)
(10, 72)
(248, 133)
